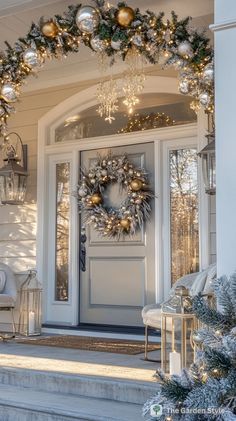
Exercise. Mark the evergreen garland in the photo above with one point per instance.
(149, 34)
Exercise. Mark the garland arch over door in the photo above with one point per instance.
(113, 32)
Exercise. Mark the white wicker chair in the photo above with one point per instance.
(195, 282)
(8, 295)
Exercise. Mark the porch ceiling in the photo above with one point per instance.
(16, 16)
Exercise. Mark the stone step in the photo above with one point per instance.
(19, 403)
(80, 385)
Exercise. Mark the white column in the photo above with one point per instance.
(225, 70)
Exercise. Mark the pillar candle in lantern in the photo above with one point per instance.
(175, 364)
(31, 322)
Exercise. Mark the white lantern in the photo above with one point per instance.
(30, 306)
(13, 176)
(207, 155)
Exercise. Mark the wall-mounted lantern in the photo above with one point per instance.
(13, 174)
(207, 155)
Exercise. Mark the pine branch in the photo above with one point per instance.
(222, 288)
(215, 359)
(173, 390)
(210, 316)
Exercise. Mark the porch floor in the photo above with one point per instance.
(80, 362)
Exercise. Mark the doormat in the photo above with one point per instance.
(116, 346)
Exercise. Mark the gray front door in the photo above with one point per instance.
(120, 275)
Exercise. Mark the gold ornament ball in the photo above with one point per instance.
(125, 16)
(96, 199)
(136, 184)
(50, 29)
(125, 223)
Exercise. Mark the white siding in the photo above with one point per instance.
(18, 223)
(212, 229)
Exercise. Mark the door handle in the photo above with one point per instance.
(83, 239)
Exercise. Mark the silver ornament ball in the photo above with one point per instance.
(97, 44)
(137, 40)
(87, 19)
(184, 87)
(116, 45)
(9, 93)
(208, 73)
(31, 58)
(204, 99)
(83, 192)
(185, 49)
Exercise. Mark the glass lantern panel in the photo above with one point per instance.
(153, 111)
(62, 231)
(184, 219)
(22, 188)
(2, 188)
(205, 171)
(212, 171)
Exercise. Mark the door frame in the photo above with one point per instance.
(184, 134)
(162, 138)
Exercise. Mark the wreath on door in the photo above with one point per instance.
(134, 209)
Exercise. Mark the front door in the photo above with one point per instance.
(118, 278)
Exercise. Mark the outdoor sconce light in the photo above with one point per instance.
(13, 176)
(207, 155)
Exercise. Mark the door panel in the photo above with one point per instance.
(120, 275)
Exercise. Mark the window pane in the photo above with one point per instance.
(184, 228)
(153, 111)
(62, 231)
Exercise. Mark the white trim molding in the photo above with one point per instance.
(222, 26)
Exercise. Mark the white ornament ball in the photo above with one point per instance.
(93, 181)
(87, 19)
(83, 192)
(97, 44)
(185, 49)
(9, 93)
(31, 58)
(204, 99)
(184, 87)
(116, 45)
(208, 73)
(104, 173)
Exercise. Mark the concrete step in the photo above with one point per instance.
(80, 385)
(19, 403)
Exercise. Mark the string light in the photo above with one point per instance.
(145, 122)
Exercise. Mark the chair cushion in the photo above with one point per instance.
(151, 315)
(6, 301)
(3, 279)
